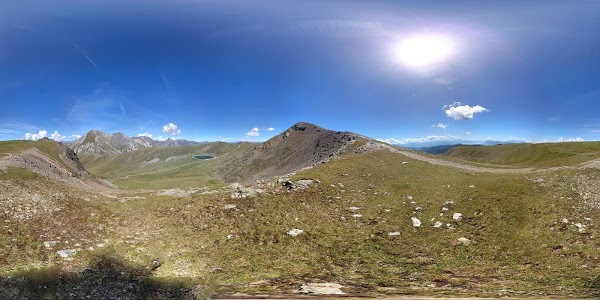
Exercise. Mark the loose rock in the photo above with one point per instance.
(416, 222)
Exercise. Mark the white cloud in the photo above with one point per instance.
(253, 132)
(441, 125)
(468, 133)
(36, 136)
(458, 111)
(145, 134)
(74, 137)
(392, 141)
(419, 140)
(270, 129)
(161, 138)
(560, 140)
(57, 137)
(171, 129)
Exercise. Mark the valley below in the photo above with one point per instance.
(310, 212)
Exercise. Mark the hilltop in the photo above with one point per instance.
(302, 145)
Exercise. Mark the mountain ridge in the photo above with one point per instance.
(96, 141)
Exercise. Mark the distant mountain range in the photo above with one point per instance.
(96, 141)
(442, 146)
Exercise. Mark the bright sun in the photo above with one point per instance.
(421, 51)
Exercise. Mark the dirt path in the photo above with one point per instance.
(478, 169)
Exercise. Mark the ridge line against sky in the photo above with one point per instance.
(238, 70)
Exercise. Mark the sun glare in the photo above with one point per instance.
(421, 51)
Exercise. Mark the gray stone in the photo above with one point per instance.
(326, 288)
(49, 244)
(66, 253)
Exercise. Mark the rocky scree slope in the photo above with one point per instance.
(302, 145)
(50, 159)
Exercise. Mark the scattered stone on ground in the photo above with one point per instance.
(295, 232)
(395, 233)
(353, 208)
(66, 253)
(49, 244)
(580, 227)
(461, 241)
(229, 206)
(457, 216)
(176, 192)
(438, 224)
(356, 216)
(240, 191)
(416, 222)
(326, 288)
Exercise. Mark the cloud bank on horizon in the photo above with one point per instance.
(534, 76)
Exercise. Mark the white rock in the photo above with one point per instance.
(66, 253)
(416, 222)
(387, 210)
(353, 208)
(49, 244)
(565, 220)
(457, 216)
(464, 241)
(395, 233)
(230, 206)
(580, 227)
(356, 216)
(444, 208)
(409, 197)
(229, 236)
(295, 232)
(438, 224)
(321, 289)
(471, 186)
(404, 162)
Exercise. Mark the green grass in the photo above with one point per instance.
(507, 217)
(174, 167)
(530, 155)
(45, 146)
(520, 246)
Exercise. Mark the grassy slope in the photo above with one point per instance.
(519, 242)
(14, 147)
(534, 155)
(132, 170)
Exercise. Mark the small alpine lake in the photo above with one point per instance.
(203, 157)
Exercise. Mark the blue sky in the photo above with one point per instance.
(232, 70)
